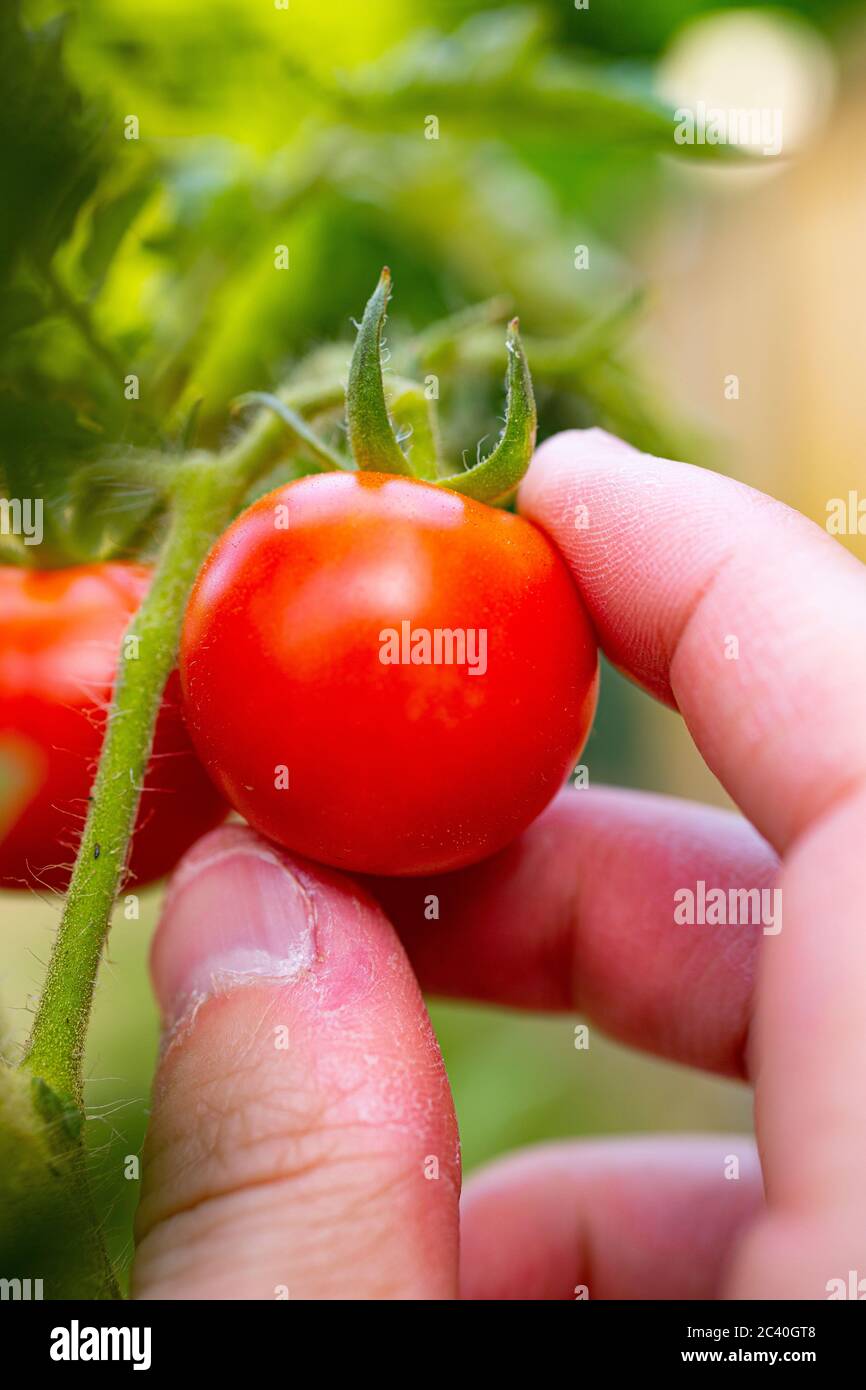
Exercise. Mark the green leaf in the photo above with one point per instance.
(50, 143)
(110, 221)
(94, 501)
(495, 73)
(40, 442)
(19, 308)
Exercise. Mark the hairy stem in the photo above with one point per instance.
(204, 490)
(56, 1047)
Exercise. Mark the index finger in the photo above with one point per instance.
(745, 616)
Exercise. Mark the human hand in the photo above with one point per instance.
(303, 1140)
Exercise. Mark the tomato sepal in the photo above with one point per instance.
(371, 434)
(496, 477)
(376, 446)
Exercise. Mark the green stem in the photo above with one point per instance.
(267, 431)
(298, 429)
(56, 1046)
(205, 490)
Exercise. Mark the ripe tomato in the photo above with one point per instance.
(293, 672)
(60, 633)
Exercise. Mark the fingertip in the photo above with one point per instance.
(559, 460)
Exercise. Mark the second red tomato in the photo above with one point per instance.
(60, 634)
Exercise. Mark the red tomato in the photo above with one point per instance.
(330, 747)
(60, 633)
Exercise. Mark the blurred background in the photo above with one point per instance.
(702, 306)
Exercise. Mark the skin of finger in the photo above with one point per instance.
(810, 1043)
(727, 604)
(785, 734)
(813, 1256)
(578, 914)
(302, 1141)
(643, 1218)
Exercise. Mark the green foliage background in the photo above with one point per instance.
(155, 256)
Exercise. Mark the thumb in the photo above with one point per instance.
(303, 1141)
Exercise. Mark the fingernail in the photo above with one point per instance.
(235, 914)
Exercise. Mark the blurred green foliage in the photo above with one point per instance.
(154, 256)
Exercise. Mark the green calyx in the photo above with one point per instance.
(371, 436)
(492, 479)
(376, 445)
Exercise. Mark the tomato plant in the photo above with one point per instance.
(142, 289)
(385, 675)
(379, 669)
(61, 633)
